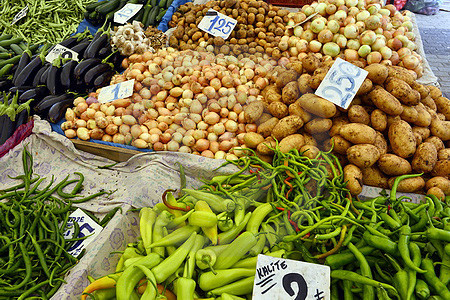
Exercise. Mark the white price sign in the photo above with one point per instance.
(116, 91)
(62, 51)
(217, 24)
(20, 15)
(125, 13)
(88, 227)
(279, 278)
(341, 83)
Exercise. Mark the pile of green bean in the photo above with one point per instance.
(49, 21)
(33, 250)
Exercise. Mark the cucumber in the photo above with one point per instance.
(108, 7)
(154, 3)
(4, 37)
(110, 16)
(16, 48)
(5, 69)
(6, 43)
(147, 9)
(140, 15)
(162, 3)
(169, 3)
(5, 55)
(12, 60)
(152, 17)
(161, 15)
(92, 6)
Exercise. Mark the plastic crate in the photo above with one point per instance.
(290, 3)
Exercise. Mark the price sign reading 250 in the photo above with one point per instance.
(217, 24)
(341, 83)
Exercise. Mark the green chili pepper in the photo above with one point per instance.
(368, 291)
(161, 221)
(185, 288)
(209, 280)
(403, 248)
(228, 236)
(432, 280)
(381, 243)
(179, 220)
(205, 258)
(239, 287)
(217, 203)
(337, 261)
(417, 259)
(357, 278)
(422, 291)
(236, 250)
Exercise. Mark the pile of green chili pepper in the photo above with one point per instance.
(33, 218)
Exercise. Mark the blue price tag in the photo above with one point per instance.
(125, 13)
(217, 24)
(341, 83)
(116, 91)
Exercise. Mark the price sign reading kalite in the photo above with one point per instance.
(20, 15)
(341, 83)
(88, 227)
(62, 51)
(279, 278)
(217, 24)
(116, 91)
(125, 13)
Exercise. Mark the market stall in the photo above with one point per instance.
(228, 149)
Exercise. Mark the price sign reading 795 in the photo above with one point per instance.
(341, 83)
(217, 24)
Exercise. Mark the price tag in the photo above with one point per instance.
(20, 15)
(279, 278)
(88, 227)
(62, 51)
(125, 13)
(217, 24)
(116, 91)
(341, 83)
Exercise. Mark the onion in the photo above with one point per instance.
(158, 146)
(315, 46)
(331, 49)
(374, 57)
(220, 154)
(410, 62)
(188, 140)
(185, 149)
(364, 50)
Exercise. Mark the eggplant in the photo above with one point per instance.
(28, 73)
(36, 93)
(96, 71)
(21, 118)
(44, 105)
(84, 66)
(104, 52)
(20, 89)
(7, 129)
(5, 85)
(67, 73)
(69, 42)
(37, 77)
(53, 80)
(58, 110)
(95, 46)
(79, 48)
(43, 79)
(104, 79)
(24, 60)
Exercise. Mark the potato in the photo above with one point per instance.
(435, 92)
(423, 90)
(290, 93)
(265, 129)
(377, 73)
(443, 106)
(393, 165)
(436, 192)
(401, 139)
(425, 158)
(408, 185)
(429, 102)
(402, 91)
(253, 139)
(363, 155)
(285, 77)
(340, 145)
(365, 87)
(354, 178)
(318, 125)
(337, 124)
(253, 111)
(303, 84)
(293, 141)
(440, 182)
(358, 133)
(401, 73)
(287, 126)
(392, 119)
(309, 151)
(316, 79)
(380, 143)
(310, 63)
(385, 101)
(437, 142)
(278, 109)
(378, 119)
(295, 109)
(424, 132)
(374, 177)
(317, 105)
(309, 139)
(442, 168)
(423, 116)
(357, 114)
(263, 147)
(264, 117)
(444, 154)
(440, 129)
(409, 114)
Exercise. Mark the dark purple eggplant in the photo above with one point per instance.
(54, 77)
(58, 110)
(28, 73)
(69, 42)
(21, 118)
(79, 48)
(103, 79)
(96, 71)
(66, 77)
(36, 93)
(43, 79)
(5, 84)
(104, 52)
(20, 89)
(7, 129)
(24, 60)
(37, 77)
(84, 66)
(95, 46)
(44, 105)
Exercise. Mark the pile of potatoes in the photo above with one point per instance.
(259, 28)
(394, 126)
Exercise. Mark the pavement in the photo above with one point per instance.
(435, 34)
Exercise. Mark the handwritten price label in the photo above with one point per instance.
(279, 278)
(217, 24)
(21, 14)
(125, 13)
(62, 51)
(116, 91)
(341, 83)
(88, 227)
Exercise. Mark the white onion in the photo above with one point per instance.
(188, 140)
(185, 149)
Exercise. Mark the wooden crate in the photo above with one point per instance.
(110, 152)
